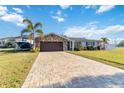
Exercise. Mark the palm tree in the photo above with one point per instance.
(32, 29)
(105, 41)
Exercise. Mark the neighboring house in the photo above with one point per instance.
(110, 46)
(54, 42)
(4, 41)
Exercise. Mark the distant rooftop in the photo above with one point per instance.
(24, 36)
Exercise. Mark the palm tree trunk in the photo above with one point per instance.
(104, 46)
(33, 39)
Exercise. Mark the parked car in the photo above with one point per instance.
(23, 46)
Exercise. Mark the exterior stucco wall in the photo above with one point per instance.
(83, 44)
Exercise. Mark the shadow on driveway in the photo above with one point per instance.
(104, 81)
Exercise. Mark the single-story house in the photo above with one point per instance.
(54, 42)
(4, 41)
(110, 46)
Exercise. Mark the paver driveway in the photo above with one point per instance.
(60, 69)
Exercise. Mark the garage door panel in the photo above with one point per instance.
(51, 46)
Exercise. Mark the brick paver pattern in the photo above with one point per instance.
(64, 70)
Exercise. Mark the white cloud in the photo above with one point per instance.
(104, 8)
(3, 10)
(100, 9)
(79, 31)
(59, 13)
(92, 31)
(18, 10)
(13, 18)
(93, 23)
(59, 16)
(59, 19)
(90, 7)
(64, 6)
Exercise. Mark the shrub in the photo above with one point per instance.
(76, 49)
(121, 44)
(98, 47)
(90, 48)
(35, 50)
(85, 48)
(81, 48)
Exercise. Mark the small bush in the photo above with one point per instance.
(81, 48)
(98, 47)
(85, 48)
(76, 49)
(90, 48)
(35, 50)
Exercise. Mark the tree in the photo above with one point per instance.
(32, 29)
(105, 41)
(121, 44)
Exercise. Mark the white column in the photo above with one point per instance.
(72, 45)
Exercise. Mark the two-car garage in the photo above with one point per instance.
(51, 46)
(52, 42)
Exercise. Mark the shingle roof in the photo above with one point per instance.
(24, 36)
(76, 39)
(60, 36)
(83, 39)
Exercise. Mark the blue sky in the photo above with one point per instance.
(75, 21)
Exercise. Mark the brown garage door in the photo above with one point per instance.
(51, 46)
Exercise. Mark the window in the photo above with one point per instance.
(90, 43)
(93, 43)
(86, 43)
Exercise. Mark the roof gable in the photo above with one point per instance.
(57, 36)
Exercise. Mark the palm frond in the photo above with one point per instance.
(104, 39)
(39, 31)
(38, 24)
(25, 30)
(30, 27)
(29, 24)
(27, 21)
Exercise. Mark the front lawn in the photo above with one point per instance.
(113, 57)
(14, 67)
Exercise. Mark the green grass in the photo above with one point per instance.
(113, 57)
(14, 67)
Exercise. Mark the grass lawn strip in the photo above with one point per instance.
(14, 67)
(111, 57)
